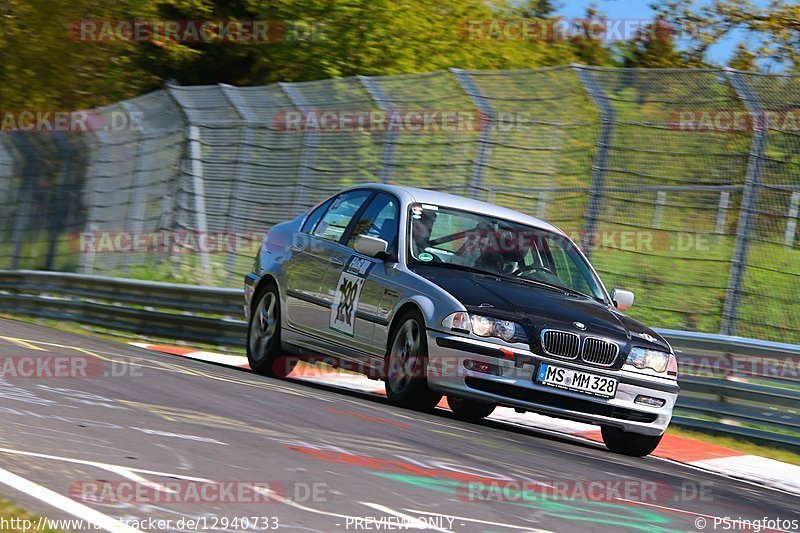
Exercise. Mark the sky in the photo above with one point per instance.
(640, 9)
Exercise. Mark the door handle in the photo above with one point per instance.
(336, 261)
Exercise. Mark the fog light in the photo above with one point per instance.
(479, 366)
(648, 401)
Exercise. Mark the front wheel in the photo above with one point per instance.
(264, 337)
(406, 366)
(469, 410)
(627, 443)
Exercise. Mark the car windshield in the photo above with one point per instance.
(453, 238)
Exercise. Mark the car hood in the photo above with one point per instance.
(539, 307)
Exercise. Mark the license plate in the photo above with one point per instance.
(575, 380)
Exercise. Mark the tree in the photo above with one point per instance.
(743, 59)
(589, 47)
(538, 9)
(44, 64)
(653, 47)
(776, 26)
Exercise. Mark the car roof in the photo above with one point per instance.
(425, 196)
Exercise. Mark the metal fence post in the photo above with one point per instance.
(244, 155)
(658, 213)
(722, 212)
(88, 256)
(310, 143)
(23, 144)
(136, 210)
(483, 150)
(601, 157)
(791, 223)
(390, 141)
(61, 206)
(195, 172)
(744, 227)
(198, 188)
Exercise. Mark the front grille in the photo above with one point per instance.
(561, 343)
(599, 352)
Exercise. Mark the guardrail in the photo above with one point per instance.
(734, 386)
(184, 312)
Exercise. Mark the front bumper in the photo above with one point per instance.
(513, 385)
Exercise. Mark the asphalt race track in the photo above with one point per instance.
(333, 460)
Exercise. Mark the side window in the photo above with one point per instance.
(379, 220)
(313, 218)
(341, 211)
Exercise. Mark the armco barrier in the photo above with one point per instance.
(729, 385)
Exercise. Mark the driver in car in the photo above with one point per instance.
(421, 227)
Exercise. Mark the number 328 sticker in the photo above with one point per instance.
(348, 291)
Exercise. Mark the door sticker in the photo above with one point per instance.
(348, 291)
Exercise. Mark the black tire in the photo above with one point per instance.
(469, 410)
(627, 443)
(406, 365)
(264, 336)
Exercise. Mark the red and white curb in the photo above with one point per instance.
(776, 474)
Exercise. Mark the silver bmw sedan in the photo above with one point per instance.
(436, 295)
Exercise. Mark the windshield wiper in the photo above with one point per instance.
(550, 285)
(456, 266)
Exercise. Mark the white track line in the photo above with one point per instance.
(63, 503)
(124, 471)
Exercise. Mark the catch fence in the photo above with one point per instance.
(682, 185)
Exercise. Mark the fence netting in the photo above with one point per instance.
(681, 185)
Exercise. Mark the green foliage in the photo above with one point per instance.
(44, 64)
(653, 47)
(776, 27)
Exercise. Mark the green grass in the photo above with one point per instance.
(11, 515)
(121, 336)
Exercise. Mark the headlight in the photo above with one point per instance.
(484, 326)
(660, 362)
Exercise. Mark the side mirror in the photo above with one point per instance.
(370, 246)
(622, 299)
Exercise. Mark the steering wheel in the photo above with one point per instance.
(533, 268)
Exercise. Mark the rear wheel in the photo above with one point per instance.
(264, 337)
(469, 410)
(406, 365)
(627, 443)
